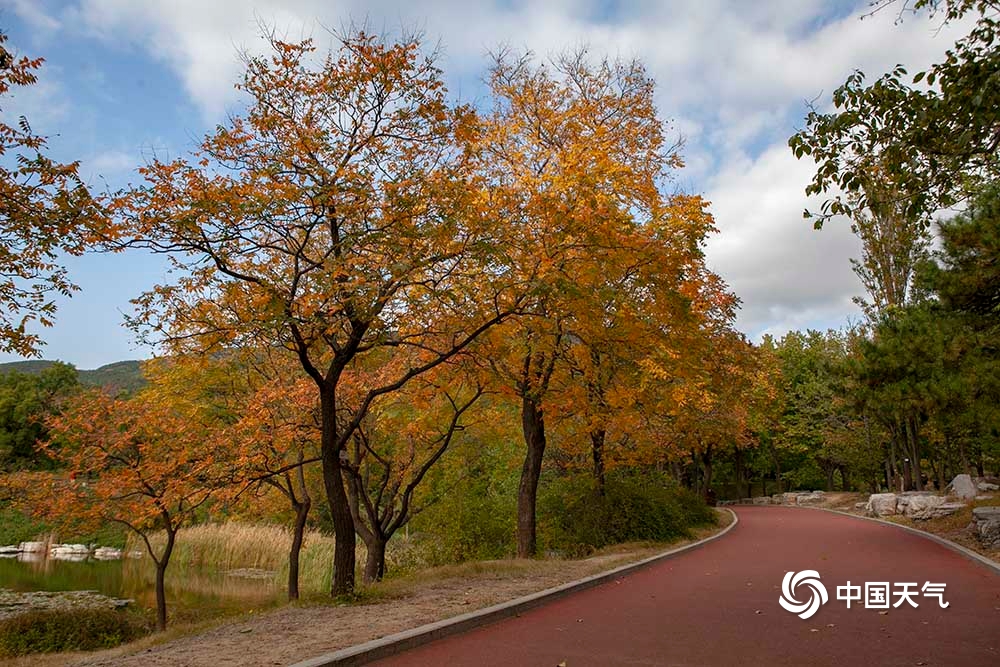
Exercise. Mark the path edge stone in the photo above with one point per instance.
(954, 546)
(394, 644)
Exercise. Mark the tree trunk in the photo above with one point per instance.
(340, 511)
(161, 571)
(597, 450)
(777, 467)
(298, 533)
(533, 427)
(706, 459)
(964, 456)
(375, 562)
(894, 438)
(914, 444)
(740, 471)
(829, 469)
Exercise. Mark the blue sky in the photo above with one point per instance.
(125, 80)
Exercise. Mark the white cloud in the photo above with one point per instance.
(32, 13)
(109, 164)
(786, 273)
(733, 74)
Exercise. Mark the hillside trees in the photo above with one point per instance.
(45, 211)
(26, 402)
(334, 219)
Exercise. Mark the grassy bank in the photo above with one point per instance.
(53, 631)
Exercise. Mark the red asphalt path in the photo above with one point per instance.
(718, 605)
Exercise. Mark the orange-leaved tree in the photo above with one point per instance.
(722, 400)
(143, 462)
(337, 218)
(652, 305)
(45, 211)
(574, 156)
(275, 437)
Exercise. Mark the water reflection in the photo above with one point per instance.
(188, 587)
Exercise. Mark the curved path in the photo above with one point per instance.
(718, 605)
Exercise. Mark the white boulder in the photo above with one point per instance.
(922, 507)
(881, 504)
(810, 498)
(962, 487)
(987, 523)
(107, 553)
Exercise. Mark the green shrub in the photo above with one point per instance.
(18, 526)
(575, 520)
(49, 631)
(473, 520)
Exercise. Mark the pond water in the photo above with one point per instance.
(191, 592)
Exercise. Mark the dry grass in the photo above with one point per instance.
(233, 546)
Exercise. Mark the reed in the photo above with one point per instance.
(225, 547)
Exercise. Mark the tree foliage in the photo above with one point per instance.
(935, 135)
(45, 211)
(26, 402)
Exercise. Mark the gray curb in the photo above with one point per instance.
(968, 553)
(397, 643)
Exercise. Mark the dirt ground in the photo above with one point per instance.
(297, 632)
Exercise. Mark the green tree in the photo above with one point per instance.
(893, 243)
(965, 275)
(26, 401)
(936, 134)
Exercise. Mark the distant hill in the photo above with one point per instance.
(121, 375)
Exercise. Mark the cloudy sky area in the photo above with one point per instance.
(125, 80)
